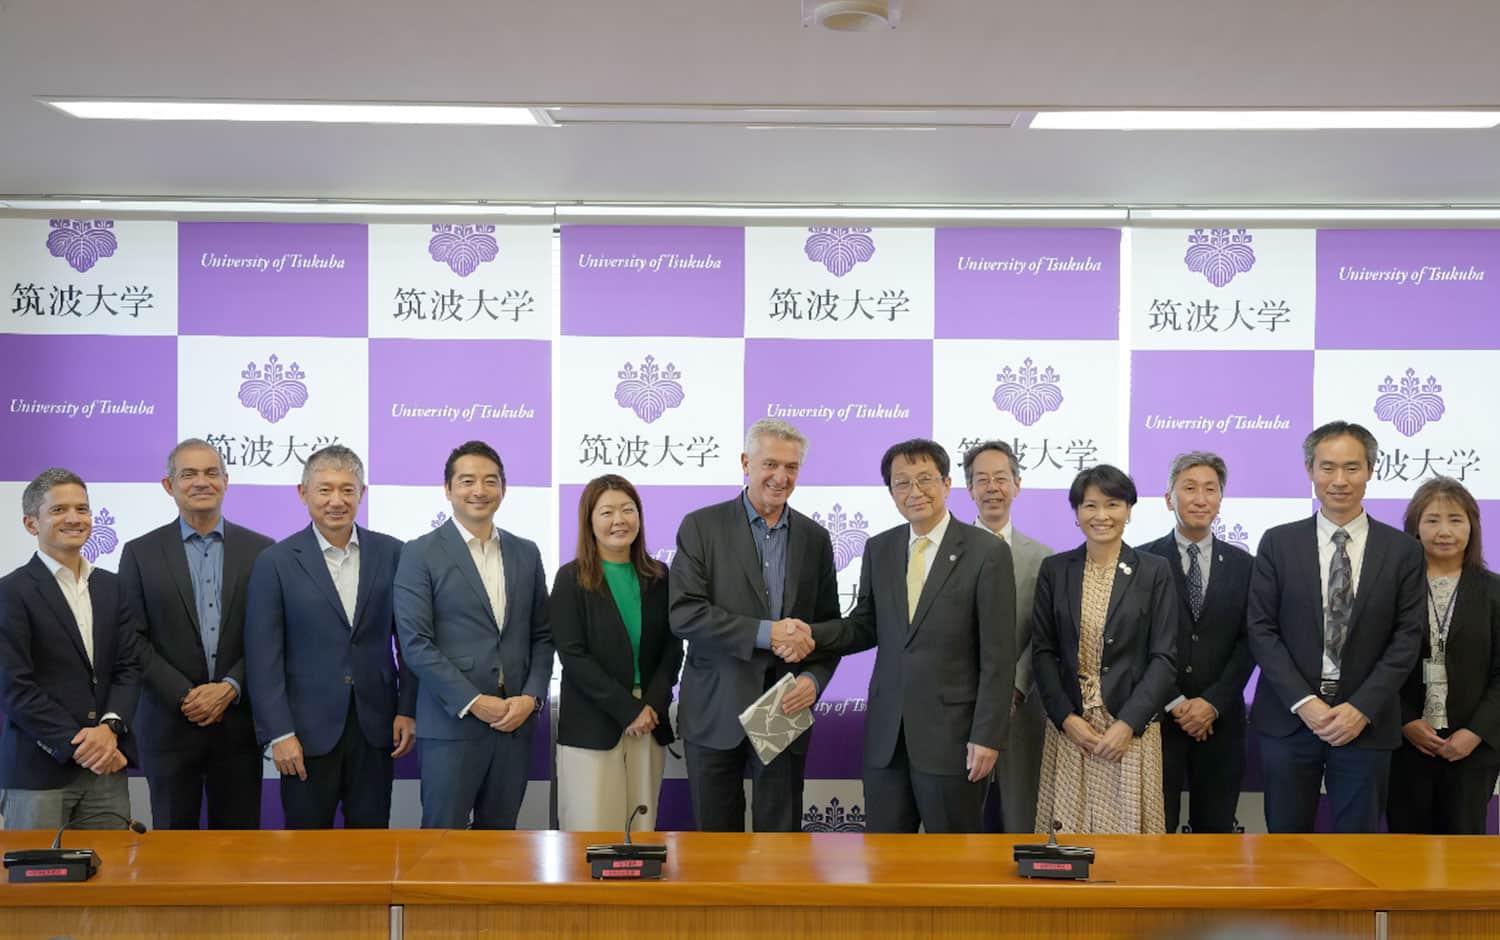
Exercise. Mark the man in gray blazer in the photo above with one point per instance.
(993, 476)
(748, 575)
(471, 611)
(937, 598)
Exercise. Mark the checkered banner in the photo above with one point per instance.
(663, 343)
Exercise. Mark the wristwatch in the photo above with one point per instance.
(117, 725)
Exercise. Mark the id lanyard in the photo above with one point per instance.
(1444, 621)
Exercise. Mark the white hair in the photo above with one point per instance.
(774, 427)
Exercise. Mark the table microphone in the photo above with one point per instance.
(60, 864)
(1053, 860)
(626, 860)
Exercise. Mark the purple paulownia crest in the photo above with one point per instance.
(833, 819)
(1026, 394)
(848, 535)
(1236, 536)
(463, 247)
(102, 539)
(273, 391)
(81, 242)
(1220, 254)
(1410, 405)
(839, 249)
(651, 391)
(438, 520)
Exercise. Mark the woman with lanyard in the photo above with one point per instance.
(1443, 775)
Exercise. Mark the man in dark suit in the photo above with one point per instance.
(1337, 609)
(937, 598)
(471, 606)
(1203, 730)
(748, 575)
(993, 476)
(70, 672)
(328, 696)
(186, 582)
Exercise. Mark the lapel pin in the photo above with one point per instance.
(953, 558)
(1221, 557)
(1124, 567)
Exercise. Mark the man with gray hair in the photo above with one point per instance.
(1203, 728)
(748, 577)
(332, 703)
(186, 582)
(70, 672)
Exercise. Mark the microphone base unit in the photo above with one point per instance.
(1062, 862)
(626, 862)
(29, 866)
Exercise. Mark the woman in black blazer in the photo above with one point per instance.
(1104, 638)
(619, 663)
(1444, 773)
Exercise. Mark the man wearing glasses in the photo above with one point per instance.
(937, 599)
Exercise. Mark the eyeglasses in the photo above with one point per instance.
(984, 480)
(926, 483)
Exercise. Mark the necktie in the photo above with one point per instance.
(1340, 598)
(1194, 581)
(916, 575)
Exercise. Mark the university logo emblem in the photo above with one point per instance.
(102, 539)
(848, 535)
(1410, 404)
(81, 242)
(839, 249)
(1236, 536)
(273, 390)
(1220, 254)
(833, 818)
(1027, 395)
(463, 247)
(651, 391)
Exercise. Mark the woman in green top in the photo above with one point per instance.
(619, 664)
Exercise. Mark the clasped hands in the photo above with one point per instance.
(792, 639)
(1110, 746)
(98, 750)
(503, 714)
(1195, 716)
(1455, 747)
(1337, 725)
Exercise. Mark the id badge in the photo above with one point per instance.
(1434, 672)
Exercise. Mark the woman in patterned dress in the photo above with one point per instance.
(1442, 776)
(1105, 629)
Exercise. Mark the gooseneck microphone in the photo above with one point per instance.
(628, 860)
(631, 821)
(134, 825)
(60, 864)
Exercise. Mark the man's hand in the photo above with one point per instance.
(1459, 745)
(97, 748)
(205, 704)
(1196, 718)
(1343, 724)
(1423, 737)
(791, 639)
(287, 756)
(1081, 733)
(114, 766)
(518, 708)
(489, 709)
(644, 723)
(1114, 742)
(1016, 698)
(979, 761)
(1314, 713)
(403, 735)
(803, 694)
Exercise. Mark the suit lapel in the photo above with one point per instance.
(174, 559)
(52, 593)
(1305, 560)
(237, 563)
(368, 563)
(1167, 548)
(460, 559)
(511, 572)
(104, 606)
(743, 542)
(796, 549)
(1376, 546)
(310, 557)
(1468, 607)
(1125, 570)
(940, 564)
(1074, 583)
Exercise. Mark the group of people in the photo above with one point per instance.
(1014, 688)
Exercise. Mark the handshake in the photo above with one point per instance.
(792, 639)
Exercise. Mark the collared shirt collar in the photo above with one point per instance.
(1205, 544)
(1008, 532)
(1357, 527)
(935, 536)
(55, 566)
(324, 545)
(468, 536)
(188, 531)
(752, 514)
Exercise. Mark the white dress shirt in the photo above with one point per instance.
(76, 593)
(1205, 555)
(486, 556)
(343, 567)
(935, 537)
(1359, 534)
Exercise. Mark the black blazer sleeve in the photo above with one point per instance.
(1046, 650)
(163, 678)
(1156, 683)
(821, 663)
(1383, 684)
(856, 632)
(1264, 628)
(570, 629)
(694, 615)
(1485, 721)
(656, 689)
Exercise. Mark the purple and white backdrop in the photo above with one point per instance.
(647, 350)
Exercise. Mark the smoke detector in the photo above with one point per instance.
(851, 16)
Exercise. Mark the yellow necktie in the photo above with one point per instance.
(916, 573)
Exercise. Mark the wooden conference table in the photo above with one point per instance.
(415, 884)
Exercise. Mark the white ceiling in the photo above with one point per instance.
(986, 53)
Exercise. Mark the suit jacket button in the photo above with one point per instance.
(348, 680)
(1108, 640)
(1195, 638)
(1105, 669)
(1189, 669)
(91, 716)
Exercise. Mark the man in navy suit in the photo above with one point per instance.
(1203, 730)
(329, 696)
(70, 672)
(471, 606)
(1337, 608)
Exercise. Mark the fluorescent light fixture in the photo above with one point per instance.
(1263, 120)
(434, 210)
(292, 112)
(872, 213)
(1329, 214)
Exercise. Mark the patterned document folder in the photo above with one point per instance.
(770, 731)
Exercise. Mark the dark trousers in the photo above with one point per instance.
(899, 798)
(1438, 797)
(355, 774)
(1210, 770)
(483, 778)
(716, 780)
(227, 770)
(1296, 764)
